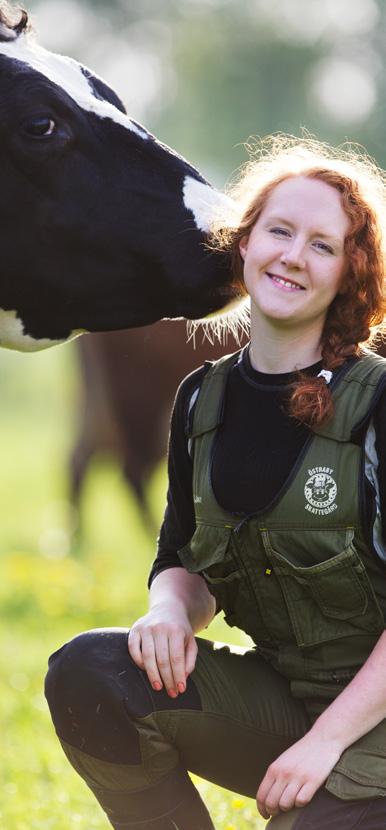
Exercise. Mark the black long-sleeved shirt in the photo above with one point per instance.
(256, 448)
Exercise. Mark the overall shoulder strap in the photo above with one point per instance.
(355, 396)
(208, 412)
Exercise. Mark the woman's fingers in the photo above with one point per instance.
(281, 796)
(190, 655)
(268, 799)
(262, 793)
(288, 797)
(149, 659)
(164, 661)
(177, 659)
(134, 646)
(305, 793)
(166, 652)
(143, 651)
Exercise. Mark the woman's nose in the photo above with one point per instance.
(293, 256)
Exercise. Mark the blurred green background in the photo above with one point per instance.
(204, 75)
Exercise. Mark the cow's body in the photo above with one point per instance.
(103, 227)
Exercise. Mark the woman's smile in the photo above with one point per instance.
(284, 283)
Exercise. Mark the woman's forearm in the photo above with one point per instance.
(187, 591)
(360, 706)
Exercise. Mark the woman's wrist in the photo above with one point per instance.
(330, 732)
(180, 591)
(169, 604)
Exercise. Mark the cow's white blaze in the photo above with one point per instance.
(210, 206)
(67, 74)
(12, 335)
(204, 202)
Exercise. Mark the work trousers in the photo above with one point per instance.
(133, 746)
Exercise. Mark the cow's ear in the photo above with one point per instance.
(102, 91)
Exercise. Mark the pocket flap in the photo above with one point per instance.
(208, 546)
(361, 770)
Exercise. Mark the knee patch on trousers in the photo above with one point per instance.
(95, 691)
(86, 695)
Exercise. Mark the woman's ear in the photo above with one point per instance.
(243, 246)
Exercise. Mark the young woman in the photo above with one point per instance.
(277, 477)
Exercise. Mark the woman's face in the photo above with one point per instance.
(294, 257)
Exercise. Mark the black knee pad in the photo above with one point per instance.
(88, 685)
(96, 693)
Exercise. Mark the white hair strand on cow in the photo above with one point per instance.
(234, 321)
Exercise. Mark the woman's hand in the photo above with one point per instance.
(293, 779)
(162, 643)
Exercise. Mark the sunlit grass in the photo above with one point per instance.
(52, 588)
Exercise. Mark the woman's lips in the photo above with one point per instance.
(284, 282)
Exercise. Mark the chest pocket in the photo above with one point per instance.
(328, 600)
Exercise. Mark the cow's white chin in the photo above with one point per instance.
(12, 335)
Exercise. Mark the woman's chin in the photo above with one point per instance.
(276, 314)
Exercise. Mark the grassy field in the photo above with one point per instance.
(48, 591)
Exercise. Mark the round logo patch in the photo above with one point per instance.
(320, 491)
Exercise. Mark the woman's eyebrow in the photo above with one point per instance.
(275, 218)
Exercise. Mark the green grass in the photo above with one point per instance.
(48, 593)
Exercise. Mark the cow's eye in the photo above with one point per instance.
(41, 127)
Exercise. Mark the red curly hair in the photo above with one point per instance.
(357, 313)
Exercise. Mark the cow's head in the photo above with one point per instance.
(102, 226)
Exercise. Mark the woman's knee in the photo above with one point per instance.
(83, 672)
(99, 698)
(91, 685)
(81, 665)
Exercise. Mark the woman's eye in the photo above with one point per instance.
(280, 231)
(323, 247)
(41, 127)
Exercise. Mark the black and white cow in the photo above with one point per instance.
(102, 226)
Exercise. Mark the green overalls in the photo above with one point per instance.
(308, 585)
(302, 578)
